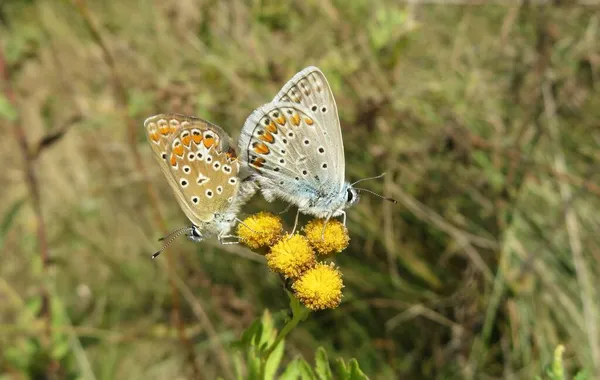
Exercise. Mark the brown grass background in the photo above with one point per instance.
(484, 117)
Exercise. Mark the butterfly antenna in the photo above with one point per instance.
(366, 179)
(173, 235)
(378, 195)
(173, 232)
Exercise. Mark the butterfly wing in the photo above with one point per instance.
(310, 88)
(291, 153)
(199, 162)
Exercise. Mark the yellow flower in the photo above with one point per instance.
(334, 240)
(291, 256)
(260, 230)
(320, 287)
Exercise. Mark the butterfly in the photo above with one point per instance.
(200, 164)
(294, 149)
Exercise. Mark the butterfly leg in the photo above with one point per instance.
(223, 237)
(344, 218)
(295, 223)
(286, 209)
(325, 226)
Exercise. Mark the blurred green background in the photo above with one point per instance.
(484, 117)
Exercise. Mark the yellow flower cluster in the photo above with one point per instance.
(316, 284)
(261, 230)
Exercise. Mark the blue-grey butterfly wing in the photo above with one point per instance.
(310, 88)
(291, 153)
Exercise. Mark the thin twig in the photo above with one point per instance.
(53, 137)
(34, 194)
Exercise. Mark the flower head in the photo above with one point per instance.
(320, 287)
(260, 230)
(333, 239)
(291, 256)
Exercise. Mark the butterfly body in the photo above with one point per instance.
(294, 148)
(201, 166)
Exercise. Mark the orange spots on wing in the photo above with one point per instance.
(173, 160)
(271, 128)
(258, 162)
(280, 120)
(178, 150)
(208, 142)
(186, 140)
(267, 137)
(261, 148)
(172, 128)
(296, 119)
(197, 137)
(309, 121)
(154, 136)
(164, 129)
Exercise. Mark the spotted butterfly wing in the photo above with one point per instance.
(199, 162)
(310, 88)
(291, 153)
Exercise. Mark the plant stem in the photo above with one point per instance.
(297, 317)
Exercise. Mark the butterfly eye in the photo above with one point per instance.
(350, 196)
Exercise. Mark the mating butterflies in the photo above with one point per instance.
(294, 148)
(202, 168)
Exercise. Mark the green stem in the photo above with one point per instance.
(297, 317)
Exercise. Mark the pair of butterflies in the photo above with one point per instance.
(291, 147)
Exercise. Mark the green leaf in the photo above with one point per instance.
(253, 365)
(237, 365)
(274, 360)
(341, 370)
(322, 365)
(298, 369)
(247, 336)
(268, 332)
(355, 372)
